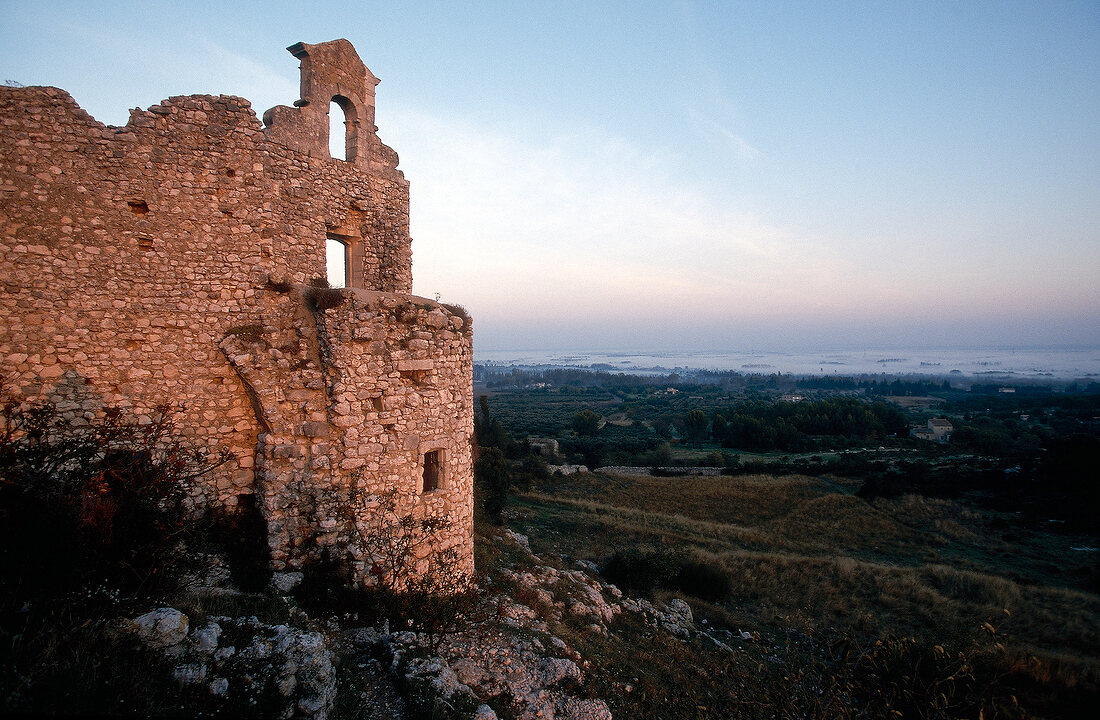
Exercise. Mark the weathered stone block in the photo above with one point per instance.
(414, 365)
(314, 429)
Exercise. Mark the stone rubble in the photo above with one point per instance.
(503, 666)
(675, 617)
(160, 628)
(536, 676)
(567, 469)
(284, 582)
(518, 664)
(246, 661)
(635, 471)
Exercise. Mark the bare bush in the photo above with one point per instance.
(414, 579)
(323, 298)
(92, 516)
(115, 485)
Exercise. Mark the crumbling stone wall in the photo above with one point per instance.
(170, 260)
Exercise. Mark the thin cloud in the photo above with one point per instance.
(515, 228)
(711, 130)
(266, 86)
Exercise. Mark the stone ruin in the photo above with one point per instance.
(177, 260)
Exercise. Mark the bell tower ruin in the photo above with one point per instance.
(181, 259)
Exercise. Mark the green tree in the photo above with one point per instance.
(491, 476)
(531, 472)
(713, 459)
(717, 427)
(488, 431)
(661, 455)
(586, 422)
(662, 425)
(892, 419)
(695, 426)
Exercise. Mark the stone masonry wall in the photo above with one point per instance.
(350, 400)
(169, 261)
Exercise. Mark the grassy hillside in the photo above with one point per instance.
(808, 563)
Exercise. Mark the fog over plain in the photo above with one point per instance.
(671, 175)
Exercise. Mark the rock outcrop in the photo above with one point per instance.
(245, 662)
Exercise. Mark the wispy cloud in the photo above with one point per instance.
(717, 133)
(141, 68)
(577, 227)
(265, 86)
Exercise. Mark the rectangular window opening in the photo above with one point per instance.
(433, 470)
(336, 262)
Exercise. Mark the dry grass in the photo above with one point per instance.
(838, 521)
(946, 518)
(804, 553)
(746, 500)
(627, 526)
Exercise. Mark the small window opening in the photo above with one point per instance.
(138, 207)
(337, 131)
(336, 262)
(433, 470)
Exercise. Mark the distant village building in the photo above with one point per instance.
(938, 430)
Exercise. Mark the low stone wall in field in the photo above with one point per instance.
(666, 470)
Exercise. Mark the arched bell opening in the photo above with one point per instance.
(343, 129)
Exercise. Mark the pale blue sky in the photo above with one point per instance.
(699, 176)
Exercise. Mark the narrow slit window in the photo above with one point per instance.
(433, 470)
(336, 262)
